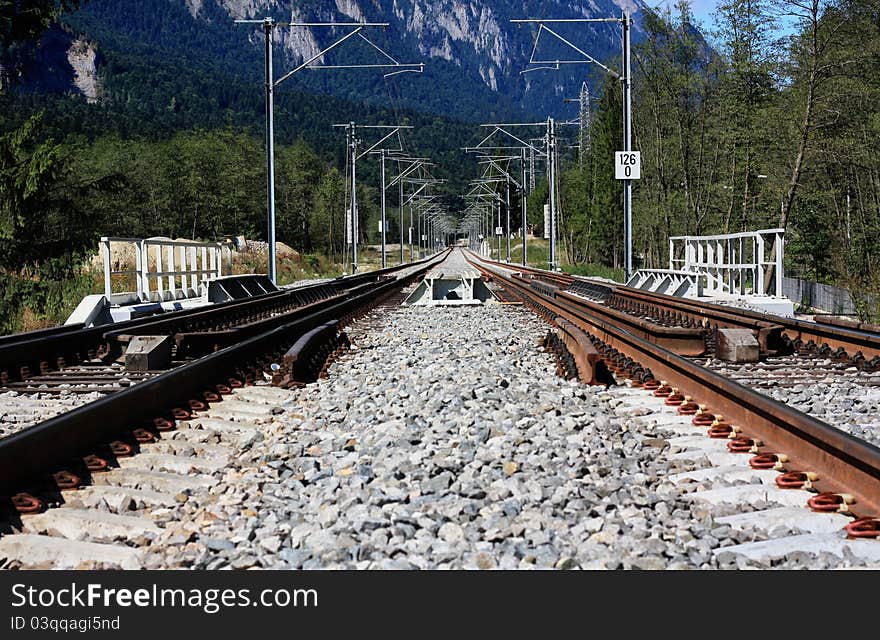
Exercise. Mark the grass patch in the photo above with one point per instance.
(594, 271)
(538, 250)
(27, 304)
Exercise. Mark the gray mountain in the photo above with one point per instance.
(474, 55)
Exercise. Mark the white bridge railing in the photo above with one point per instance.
(733, 263)
(164, 269)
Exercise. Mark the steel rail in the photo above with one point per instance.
(850, 339)
(681, 340)
(33, 349)
(40, 333)
(836, 337)
(849, 324)
(212, 315)
(846, 464)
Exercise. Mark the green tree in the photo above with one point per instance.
(576, 197)
(23, 20)
(605, 217)
(536, 201)
(811, 65)
(745, 32)
(298, 174)
(326, 222)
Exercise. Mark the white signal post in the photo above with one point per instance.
(626, 77)
(627, 147)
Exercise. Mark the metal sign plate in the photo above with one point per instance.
(627, 165)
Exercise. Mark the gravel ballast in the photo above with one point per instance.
(21, 410)
(843, 397)
(445, 439)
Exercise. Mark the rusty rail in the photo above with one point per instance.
(686, 341)
(861, 343)
(306, 359)
(33, 460)
(590, 365)
(797, 442)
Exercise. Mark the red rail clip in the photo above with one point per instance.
(863, 528)
(179, 414)
(744, 445)
(662, 391)
(688, 407)
(121, 449)
(830, 502)
(95, 463)
(66, 480)
(768, 461)
(720, 429)
(796, 480)
(143, 436)
(704, 419)
(26, 503)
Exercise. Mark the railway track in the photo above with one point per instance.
(47, 372)
(857, 344)
(442, 438)
(196, 331)
(79, 447)
(841, 472)
(838, 357)
(843, 396)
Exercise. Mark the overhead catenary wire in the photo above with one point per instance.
(269, 25)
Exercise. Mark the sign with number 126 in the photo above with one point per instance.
(627, 165)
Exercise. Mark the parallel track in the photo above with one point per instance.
(859, 345)
(200, 330)
(76, 360)
(779, 435)
(37, 463)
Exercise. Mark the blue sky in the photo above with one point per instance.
(703, 13)
(702, 9)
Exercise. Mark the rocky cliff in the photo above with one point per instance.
(474, 54)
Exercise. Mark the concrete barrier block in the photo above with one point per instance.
(737, 345)
(148, 353)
